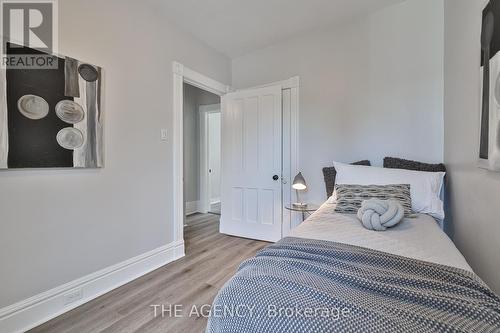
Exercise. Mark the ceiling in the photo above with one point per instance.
(237, 27)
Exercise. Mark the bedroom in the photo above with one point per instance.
(359, 80)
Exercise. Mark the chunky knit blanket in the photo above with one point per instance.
(302, 285)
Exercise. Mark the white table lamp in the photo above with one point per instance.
(299, 184)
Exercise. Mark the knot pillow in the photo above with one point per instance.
(379, 215)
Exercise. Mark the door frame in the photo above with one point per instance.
(204, 111)
(183, 74)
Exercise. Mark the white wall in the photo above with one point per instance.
(474, 193)
(46, 239)
(368, 89)
(193, 98)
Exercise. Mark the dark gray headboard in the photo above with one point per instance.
(329, 174)
(399, 163)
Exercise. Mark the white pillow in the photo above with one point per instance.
(425, 187)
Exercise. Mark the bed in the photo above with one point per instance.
(333, 275)
(419, 238)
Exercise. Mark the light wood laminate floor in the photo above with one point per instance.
(211, 259)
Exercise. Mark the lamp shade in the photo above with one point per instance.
(299, 183)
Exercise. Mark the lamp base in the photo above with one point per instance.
(299, 205)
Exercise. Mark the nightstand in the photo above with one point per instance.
(306, 210)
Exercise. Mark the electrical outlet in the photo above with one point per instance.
(164, 134)
(73, 296)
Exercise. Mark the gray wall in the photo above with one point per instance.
(368, 89)
(193, 98)
(474, 193)
(59, 225)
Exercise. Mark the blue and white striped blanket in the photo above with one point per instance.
(303, 285)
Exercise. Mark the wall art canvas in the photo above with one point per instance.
(51, 118)
(489, 142)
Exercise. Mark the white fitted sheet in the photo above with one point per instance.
(418, 238)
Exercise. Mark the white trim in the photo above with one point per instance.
(290, 154)
(178, 152)
(204, 110)
(29, 313)
(183, 74)
(193, 207)
(294, 146)
(286, 168)
(199, 80)
(203, 162)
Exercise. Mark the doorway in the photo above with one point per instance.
(210, 158)
(288, 98)
(201, 122)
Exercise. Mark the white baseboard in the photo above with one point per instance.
(193, 207)
(40, 308)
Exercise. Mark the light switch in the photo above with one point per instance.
(164, 134)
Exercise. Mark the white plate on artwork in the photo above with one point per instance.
(70, 112)
(70, 138)
(33, 107)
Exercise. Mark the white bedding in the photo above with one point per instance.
(418, 238)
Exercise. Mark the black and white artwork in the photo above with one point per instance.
(51, 118)
(489, 143)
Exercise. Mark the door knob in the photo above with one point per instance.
(276, 177)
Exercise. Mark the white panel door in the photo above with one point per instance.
(252, 164)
